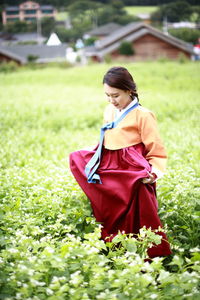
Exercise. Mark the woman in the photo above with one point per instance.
(119, 175)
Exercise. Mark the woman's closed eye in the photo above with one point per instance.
(112, 95)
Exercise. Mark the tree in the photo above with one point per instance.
(95, 14)
(174, 12)
(186, 34)
(48, 26)
(118, 4)
(69, 35)
(195, 16)
(20, 26)
(112, 14)
(84, 10)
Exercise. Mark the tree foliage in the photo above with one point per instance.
(48, 26)
(174, 12)
(20, 26)
(64, 3)
(97, 14)
(186, 34)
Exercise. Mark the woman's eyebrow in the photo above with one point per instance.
(112, 94)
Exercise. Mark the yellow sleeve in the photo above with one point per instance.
(155, 151)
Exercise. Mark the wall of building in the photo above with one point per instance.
(151, 47)
(26, 11)
(5, 58)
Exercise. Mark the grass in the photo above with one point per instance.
(135, 10)
(61, 16)
(49, 242)
(132, 10)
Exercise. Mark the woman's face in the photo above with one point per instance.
(119, 98)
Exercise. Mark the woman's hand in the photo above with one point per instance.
(152, 177)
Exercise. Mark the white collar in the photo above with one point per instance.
(120, 112)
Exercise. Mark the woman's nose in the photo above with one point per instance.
(112, 100)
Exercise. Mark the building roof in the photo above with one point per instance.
(14, 56)
(8, 38)
(12, 8)
(132, 32)
(45, 53)
(28, 37)
(105, 29)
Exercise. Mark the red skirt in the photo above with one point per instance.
(122, 202)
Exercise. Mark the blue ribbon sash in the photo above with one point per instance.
(94, 162)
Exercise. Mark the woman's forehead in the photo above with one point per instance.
(110, 89)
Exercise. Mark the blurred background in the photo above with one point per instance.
(82, 31)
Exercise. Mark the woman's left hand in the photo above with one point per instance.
(150, 179)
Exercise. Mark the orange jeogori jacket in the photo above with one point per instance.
(138, 126)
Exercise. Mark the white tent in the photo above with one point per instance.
(53, 40)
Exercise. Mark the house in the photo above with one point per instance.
(147, 42)
(103, 31)
(27, 11)
(21, 54)
(21, 38)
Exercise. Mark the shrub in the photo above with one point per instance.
(182, 58)
(126, 48)
(107, 58)
(7, 67)
(32, 58)
(90, 41)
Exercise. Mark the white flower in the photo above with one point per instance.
(13, 250)
(153, 296)
(49, 291)
(49, 249)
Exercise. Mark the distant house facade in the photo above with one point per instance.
(21, 54)
(147, 43)
(27, 11)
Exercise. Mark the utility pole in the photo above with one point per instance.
(165, 26)
(39, 30)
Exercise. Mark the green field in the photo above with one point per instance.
(50, 247)
(61, 16)
(131, 10)
(135, 10)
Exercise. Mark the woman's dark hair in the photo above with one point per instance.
(120, 78)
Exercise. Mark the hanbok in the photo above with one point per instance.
(122, 202)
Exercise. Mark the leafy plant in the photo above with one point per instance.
(126, 48)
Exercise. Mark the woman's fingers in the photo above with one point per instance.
(150, 179)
